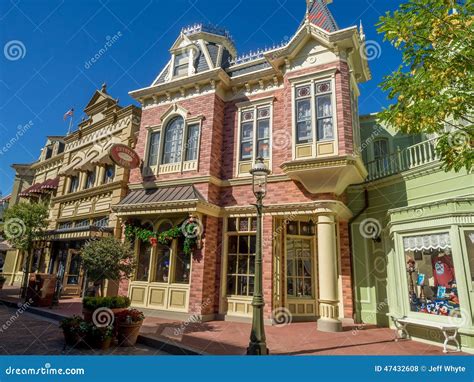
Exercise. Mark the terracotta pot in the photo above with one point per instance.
(102, 344)
(128, 333)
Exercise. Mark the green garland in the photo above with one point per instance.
(166, 237)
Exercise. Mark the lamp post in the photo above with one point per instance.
(257, 345)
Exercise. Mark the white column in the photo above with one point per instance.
(328, 275)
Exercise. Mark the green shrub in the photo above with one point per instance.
(114, 302)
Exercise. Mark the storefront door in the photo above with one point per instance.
(300, 276)
(73, 274)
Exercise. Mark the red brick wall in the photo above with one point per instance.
(346, 269)
(205, 270)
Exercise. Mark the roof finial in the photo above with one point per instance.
(104, 88)
(361, 31)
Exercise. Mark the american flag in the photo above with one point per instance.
(68, 113)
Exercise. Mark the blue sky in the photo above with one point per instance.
(48, 73)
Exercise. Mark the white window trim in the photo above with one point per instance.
(190, 50)
(155, 170)
(328, 75)
(254, 105)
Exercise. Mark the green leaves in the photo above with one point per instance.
(434, 85)
(25, 223)
(108, 258)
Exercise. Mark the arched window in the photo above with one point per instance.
(173, 141)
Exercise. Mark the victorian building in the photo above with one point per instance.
(206, 118)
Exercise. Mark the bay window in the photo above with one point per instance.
(314, 119)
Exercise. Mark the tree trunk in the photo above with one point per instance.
(26, 273)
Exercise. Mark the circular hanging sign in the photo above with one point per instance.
(124, 156)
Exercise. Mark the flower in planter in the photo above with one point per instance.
(153, 241)
(129, 316)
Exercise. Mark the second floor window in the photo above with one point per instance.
(255, 133)
(90, 180)
(153, 148)
(320, 106)
(74, 185)
(173, 141)
(109, 174)
(192, 142)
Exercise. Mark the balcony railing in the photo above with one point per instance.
(411, 157)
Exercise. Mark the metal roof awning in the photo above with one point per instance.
(154, 198)
(40, 188)
(79, 233)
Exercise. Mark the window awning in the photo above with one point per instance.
(71, 168)
(427, 242)
(40, 188)
(50, 185)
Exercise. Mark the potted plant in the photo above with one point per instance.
(100, 337)
(114, 303)
(2, 281)
(129, 322)
(74, 329)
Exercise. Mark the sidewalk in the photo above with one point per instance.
(231, 338)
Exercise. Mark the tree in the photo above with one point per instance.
(107, 258)
(433, 88)
(24, 224)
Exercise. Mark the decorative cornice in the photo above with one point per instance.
(91, 192)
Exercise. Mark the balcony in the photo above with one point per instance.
(408, 158)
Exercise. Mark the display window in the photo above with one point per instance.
(431, 275)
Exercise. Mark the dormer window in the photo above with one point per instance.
(49, 152)
(181, 64)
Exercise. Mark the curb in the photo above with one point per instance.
(160, 344)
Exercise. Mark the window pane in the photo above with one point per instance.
(247, 131)
(431, 275)
(242, 285)
(243, 264)
(469, 237)
(323, 87)
(109, 174)
(232, 264)
(303, 91)
(263, 128)
(243, 244)
(90, 179)
(304, 132)
(143, 267)
(246, 151)
(181, 64)
(173, 141)
(232, 224)
(324, 106)
(162, 264)
(153, 149)
(380, 148)
(182, 266)
(232, 244)
(325, 129)
(192, 142)
(303, 110)
(263, 148)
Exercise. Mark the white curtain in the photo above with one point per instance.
(426, 242)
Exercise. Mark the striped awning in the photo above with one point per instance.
(40, 188)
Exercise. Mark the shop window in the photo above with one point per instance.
(255, 133)
(101, 222)
(241, 245)
(65, 225)
(321, 107)
(182, 265)
(153, 148)
(74, 185)
(431, 276)
(143, 263)
(469, 238)
(81, 223)
(74, 269)
(173, 141)
(90, 180)
(181, 64)
(109, 174)
(162, 264)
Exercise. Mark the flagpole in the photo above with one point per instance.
(70, 125)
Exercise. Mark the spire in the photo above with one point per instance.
(361, 31)
(104, 88)
(319, 14)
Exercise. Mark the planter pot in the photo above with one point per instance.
(128, 333)
(102, 344)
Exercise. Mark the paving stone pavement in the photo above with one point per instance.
(29, 334)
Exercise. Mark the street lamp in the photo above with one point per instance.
(257, 345)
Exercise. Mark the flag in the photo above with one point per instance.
(68, 113)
